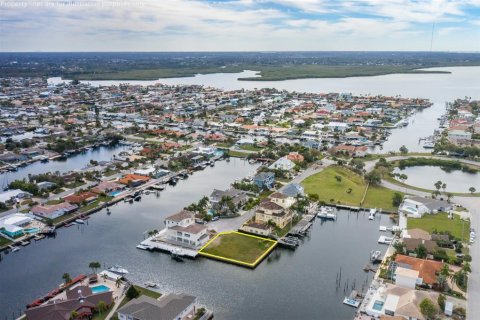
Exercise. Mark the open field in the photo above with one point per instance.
(440, 223)
(331, 190)
(380, 197)
(348, 189)
(238, 154)
(238, 248)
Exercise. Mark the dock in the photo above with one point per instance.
(154, 244)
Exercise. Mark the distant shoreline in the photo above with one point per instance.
(270, 74)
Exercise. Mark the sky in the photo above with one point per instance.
(239, 25)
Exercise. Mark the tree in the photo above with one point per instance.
(444, 186)
(441, 301)
(94, 265)
(101, 306)
(397, 199)
(428, 309)
(338, 178)
(118, 282)
(73, 315)
(373, 177)
(421, 251)
(132, 293)
(438, 185)
(403, 150)
(66, 278)
(472, 190)
(443, 276)
(399, 247)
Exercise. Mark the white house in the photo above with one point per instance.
(282, 164)
(407, 278)
(181, 228)
(416, 207)
(459, 135)
(282, 200)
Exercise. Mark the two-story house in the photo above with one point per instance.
(181, 228)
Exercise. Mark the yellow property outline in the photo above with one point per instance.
(254, 264)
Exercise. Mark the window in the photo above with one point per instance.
(186, 235)
(179, 233)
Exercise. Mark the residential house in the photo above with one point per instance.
(238, 198)
(261, 229)
(264, 180)
(428, 269)
(283, 200)
(407, 278)
(181, 228)
(14, 196)
(282, 164)
(416, 207)
(53, 211)
(107, 187)
(87, 197)
(411, 244)
(270, 211)
(80, 300)
(167, 307)
(13, 224)
(293, 190)
(295, 157)
(133, 180)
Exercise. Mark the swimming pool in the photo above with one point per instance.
(31, 230)
(378, 305)
(115, 193)
(100, 288)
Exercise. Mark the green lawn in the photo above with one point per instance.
(249, 148)
(237, 154)
(142, 291)
(381, 198)
(50, 202)
(4, 241)
(329, 190)
(238, 248)
(440, 222)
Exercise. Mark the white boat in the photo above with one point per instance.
(385, 240)
(429, 144)
(331, 216)
(372, 213)
(79, 221)
(143, 247)
(382, 228)
(375, 256)
(352, 300)
(14, 248)
(118, 270)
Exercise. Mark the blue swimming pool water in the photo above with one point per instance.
(218, 153)
(115, 193)
(378, 305)
(31, 230)
(100, 288)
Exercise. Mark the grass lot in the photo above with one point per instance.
(326, 186)
(440, 222)
(380, 197)
(238, 248)
(328, 189)
(50, 202)
(4, 242)
(142, 291)
(237, 154)
(250, 148)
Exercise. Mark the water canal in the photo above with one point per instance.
(304, 278)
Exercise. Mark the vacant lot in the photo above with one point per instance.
(380, 198)
(336, 184)
(440, 223)
(238, 248)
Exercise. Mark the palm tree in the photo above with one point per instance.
(444, 274)
(66, 278)
(94, 265)
(73, 315)
(104, 276)
(101, 306)
(118, 282)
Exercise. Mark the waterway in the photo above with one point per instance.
(426, 176)
(439, 88)
(73, 163)
(288, 285)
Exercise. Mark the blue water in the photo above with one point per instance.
(100, 288)
(378, 305)
(115, 193)
(31, 230)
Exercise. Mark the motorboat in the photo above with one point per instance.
(376, 256)
(429, 144)
(143, 247)
(371, 214)
(80, 221)
(118, 270)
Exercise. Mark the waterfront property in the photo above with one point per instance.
(238, 248)
(53, 211)
(167, 307)
(182, 229)
(416, 207)
(440, 222)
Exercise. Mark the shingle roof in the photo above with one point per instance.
(179, 216)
